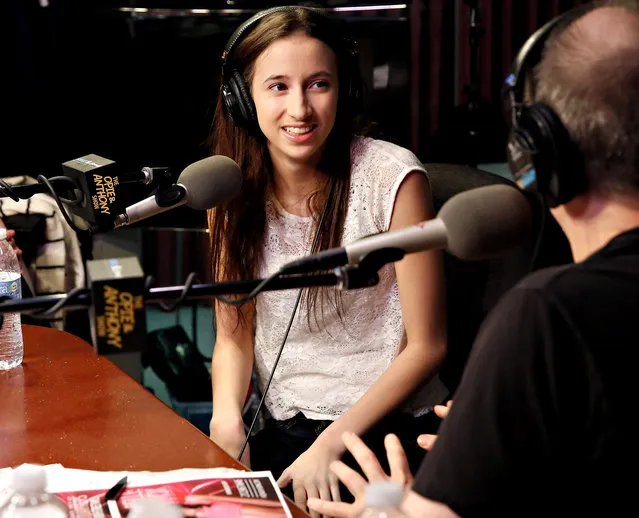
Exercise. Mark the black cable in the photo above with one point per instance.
(50, 312)
(67, 218)
(7, 191)
(290, 323)
(169, 308)
(256, 291)
(540, 234)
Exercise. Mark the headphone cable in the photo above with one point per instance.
(288, 327)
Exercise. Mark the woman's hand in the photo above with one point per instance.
(311, 475)
(229, 435)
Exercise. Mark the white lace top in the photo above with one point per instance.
(323, 373)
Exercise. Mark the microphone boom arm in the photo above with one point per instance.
(343, 278)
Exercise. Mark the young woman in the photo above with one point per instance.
(363, 360)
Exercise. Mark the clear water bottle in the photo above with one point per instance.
(382, 499)
(11, 346)
(29, 498)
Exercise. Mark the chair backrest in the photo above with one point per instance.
(473, 288)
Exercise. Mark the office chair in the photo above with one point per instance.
(474, 288)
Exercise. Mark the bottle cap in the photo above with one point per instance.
(29, 478)
(384, 493)
(154, 508)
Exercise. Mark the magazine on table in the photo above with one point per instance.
(237, 493)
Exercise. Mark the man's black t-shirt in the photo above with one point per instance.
(541, 422)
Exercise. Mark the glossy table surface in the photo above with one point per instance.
(66, 405)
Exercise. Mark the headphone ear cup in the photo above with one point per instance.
(556, 159)
(519, 151)
(238, 101)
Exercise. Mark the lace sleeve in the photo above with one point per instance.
(379, 168)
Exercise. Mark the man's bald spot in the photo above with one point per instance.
(594, 50)
(606, 29)
(589, 76)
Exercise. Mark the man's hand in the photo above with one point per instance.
(427, 440)
(356, 484)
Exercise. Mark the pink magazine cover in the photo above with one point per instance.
(228, 497)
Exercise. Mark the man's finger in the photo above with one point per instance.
(426, 441)
(364, 457)
(442, 411)
(337, 509)
(353, 481)
(399, 469)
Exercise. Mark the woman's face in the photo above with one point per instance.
(295, 89)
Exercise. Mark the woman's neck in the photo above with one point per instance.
(293, 184)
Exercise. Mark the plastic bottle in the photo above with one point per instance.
(154, 508)
(11, 346)
(382, 499)
(29, 498)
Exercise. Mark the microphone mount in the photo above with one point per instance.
(346, 278)
(166, 198)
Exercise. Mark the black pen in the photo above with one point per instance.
(112, 496)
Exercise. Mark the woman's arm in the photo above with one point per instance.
(421, 291)
(231, 369)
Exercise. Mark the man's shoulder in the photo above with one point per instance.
(604, 274)
(548, 279)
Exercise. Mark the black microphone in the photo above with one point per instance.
(65, 185)
(202, 185)
(472, 225)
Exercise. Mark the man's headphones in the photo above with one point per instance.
(540, 150)
(237, 93)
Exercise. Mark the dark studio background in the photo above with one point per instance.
(85, 77)
(93, 77)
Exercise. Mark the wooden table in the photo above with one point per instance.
(66, 405)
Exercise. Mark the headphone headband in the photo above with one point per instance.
(236, 92)
(531, 53)
(252, 21)
(541, 153)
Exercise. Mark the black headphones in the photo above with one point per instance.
(236, 92)
(541, 153)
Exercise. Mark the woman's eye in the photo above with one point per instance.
(320, 84)
(277, 87)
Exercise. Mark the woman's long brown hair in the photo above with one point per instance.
(237, 229)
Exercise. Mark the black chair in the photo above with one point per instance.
(473, 288)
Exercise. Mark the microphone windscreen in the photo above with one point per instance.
(486, 221)
(210, 182)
